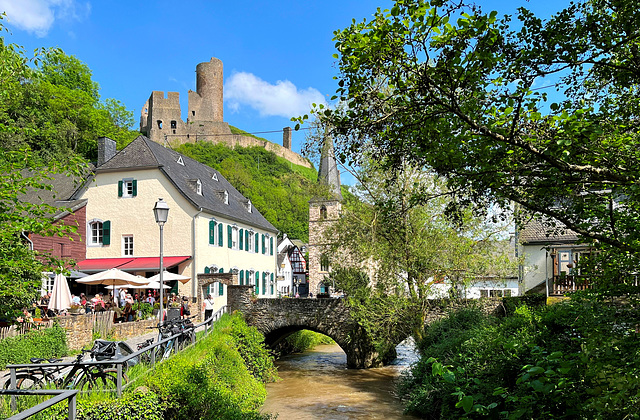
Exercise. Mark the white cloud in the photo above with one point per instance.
(282, 99)
(37, 16)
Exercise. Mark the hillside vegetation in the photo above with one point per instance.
(279, 189)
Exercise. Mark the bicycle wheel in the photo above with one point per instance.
(100, 380)
(25, 381)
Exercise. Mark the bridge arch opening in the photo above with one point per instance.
(275, 339)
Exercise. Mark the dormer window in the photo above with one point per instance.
(214, 176)
(198, 187)
(249, 206)
(127, 188)
(180, 161)
(226, 197)
(223, 195)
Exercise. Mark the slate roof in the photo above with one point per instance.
(61, 194)
(144, 153)
(535, 232)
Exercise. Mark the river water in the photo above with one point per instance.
(317, 385)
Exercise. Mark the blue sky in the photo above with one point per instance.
(277, 55)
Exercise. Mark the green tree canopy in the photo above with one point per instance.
(449, 87)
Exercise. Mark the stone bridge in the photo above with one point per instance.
(278, 318)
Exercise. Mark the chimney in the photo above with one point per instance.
(106, 150)
(286, 138)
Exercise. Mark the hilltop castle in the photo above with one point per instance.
(161, 118)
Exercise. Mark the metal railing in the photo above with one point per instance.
(119, 363)
(60, 395)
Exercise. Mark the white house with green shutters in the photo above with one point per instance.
(211, 226)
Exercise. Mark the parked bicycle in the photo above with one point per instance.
(77, 376)
(183, 328)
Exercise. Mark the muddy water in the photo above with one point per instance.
(318, 385)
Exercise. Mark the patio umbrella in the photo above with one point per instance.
(151, 285)
(60, 295)
(113, 277)
(167, 276)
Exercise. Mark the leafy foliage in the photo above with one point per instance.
(574, 359)
(448, 87)
(279, 189)
(54, 107)
(211, 380)
(47, 343)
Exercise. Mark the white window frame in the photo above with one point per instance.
(252, 238)
(234, 237)
(94, 239)
(198, 187)
(127, 188)
(126, 252)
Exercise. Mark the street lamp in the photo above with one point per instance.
(161, 213)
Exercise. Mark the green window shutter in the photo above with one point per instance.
(207, 270)
(246, 240)
(241, 277)
(271, 245)
(271, 283)
(257, 282)
(257, 241)
(212, 232)
(221, 290)
(229, 236)
(135, 187)
(106, 232)
(264, 283)
(220, 234)
(240, 238)
(263, 245)
(119, 188)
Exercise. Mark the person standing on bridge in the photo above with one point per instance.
(208, 307)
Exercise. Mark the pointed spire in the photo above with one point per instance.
(328, 174)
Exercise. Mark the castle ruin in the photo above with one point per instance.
(161, 117)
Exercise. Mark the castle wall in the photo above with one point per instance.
(160, 118)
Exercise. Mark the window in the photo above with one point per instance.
(248, 236)
(198, 187)
(324, 263)
(323, 213)
(159, 124)
(249, 206)
(180, 161)
(212, 232)
(47, 284)
(99, 232)
(174, 125)
(257, 282)
(214, 176)
(127, 245)
(127, 188)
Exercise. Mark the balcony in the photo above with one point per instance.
(564, 284)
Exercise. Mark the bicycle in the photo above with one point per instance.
(78, 376)
(146, 356)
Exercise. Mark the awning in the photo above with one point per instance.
(130, 264)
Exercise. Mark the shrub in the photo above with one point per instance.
(211, 380)
(47, 342)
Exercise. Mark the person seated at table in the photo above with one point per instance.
(45, 299)
(75, 299)
(97, 303)
(128, 312)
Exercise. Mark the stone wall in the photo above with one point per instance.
(79, 328)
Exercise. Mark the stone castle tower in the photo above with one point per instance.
(322, 214)
(161, 117)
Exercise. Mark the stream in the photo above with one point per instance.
(317, 385)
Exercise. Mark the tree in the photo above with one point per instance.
(448, 87)
(395, 233)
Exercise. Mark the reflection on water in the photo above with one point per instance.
(318, 385)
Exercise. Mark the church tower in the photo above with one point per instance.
(323, 212)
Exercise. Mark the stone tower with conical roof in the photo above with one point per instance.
(323, 212)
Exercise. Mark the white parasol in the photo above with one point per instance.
(151, 285)
(167, 276)
(113, 277)
(60, 295)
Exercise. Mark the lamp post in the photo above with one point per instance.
(161, 213)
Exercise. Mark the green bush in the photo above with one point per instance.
(47, 342)
(211, 380)
(575, 359)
